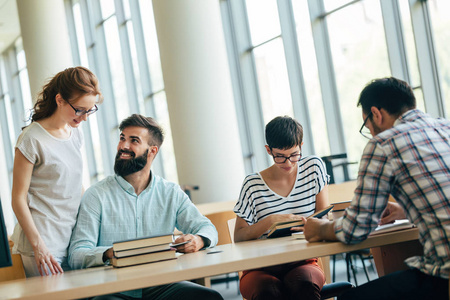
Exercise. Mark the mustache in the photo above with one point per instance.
(124, 167)
(127, 152)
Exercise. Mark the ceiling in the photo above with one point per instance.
(9, 23)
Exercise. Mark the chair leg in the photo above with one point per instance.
(364, 266)
(347, 263)
(334, 268)
(353, 269)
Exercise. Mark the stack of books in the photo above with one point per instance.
(143, 250)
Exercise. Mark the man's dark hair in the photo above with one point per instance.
(284, 133)
(392, 94)
(155, 131)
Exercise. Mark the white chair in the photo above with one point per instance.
(231, 225)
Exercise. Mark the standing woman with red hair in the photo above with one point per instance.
(48, 169)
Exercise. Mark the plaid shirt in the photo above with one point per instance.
(410, 161)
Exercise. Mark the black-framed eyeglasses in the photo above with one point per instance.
(281, 159)
(82, 112)
(365, 132)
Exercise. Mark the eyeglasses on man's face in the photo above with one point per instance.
(82, 112)
(281, 159)
(365, 132)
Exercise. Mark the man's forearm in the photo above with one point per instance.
(85, 258)
(317, 230)
(327, 231)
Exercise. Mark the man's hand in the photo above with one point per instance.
(195, 243)
(317, 230)
(392, 212)
(108, 254)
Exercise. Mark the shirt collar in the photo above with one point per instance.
(409, 116)
(127, 187)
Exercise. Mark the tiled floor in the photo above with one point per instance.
(229, 290)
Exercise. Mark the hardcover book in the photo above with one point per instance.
(143, 258)
(142, 242)
(397, 225)
(145, 250)
(283, 228)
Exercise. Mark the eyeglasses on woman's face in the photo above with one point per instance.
(82, 112)
(281, 159)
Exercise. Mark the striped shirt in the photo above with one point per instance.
(257, 200)
(410, 161)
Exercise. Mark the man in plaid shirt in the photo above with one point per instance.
(408, 157)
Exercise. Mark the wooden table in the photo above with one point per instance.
(230, 258)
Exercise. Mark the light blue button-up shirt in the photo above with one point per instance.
(111, 211)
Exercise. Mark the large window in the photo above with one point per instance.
(305, 58)
(311, 59)
(270, 61)
(441, 24)
(15, 108)
(359, 52)
(311, 76)
(117, 40)
(411, 53)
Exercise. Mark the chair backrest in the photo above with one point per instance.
(231, 224)
(219, 220)
(16, 271)
(337, 161)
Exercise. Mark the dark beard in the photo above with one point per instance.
(124, 167)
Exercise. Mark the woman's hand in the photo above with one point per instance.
(286, 218)
(45, 259)
(283, 218)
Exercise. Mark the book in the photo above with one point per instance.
(397, 225)
(339, 209)
(300, 235)
(283, 228)
(144, 250)
(142, 242)
(119, 262)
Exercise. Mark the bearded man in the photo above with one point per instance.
(136, 203)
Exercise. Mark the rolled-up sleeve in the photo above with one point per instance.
(190, 220)
(371, 195)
